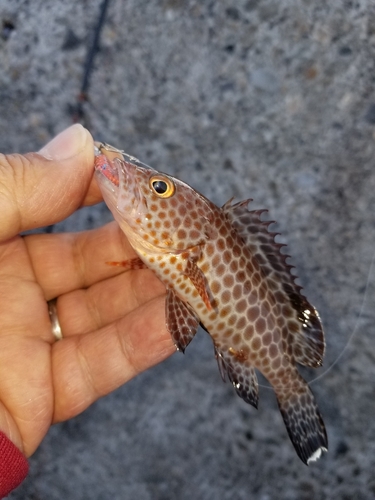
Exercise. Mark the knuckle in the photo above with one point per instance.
(13, 170)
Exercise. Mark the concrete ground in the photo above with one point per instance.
(272, 99)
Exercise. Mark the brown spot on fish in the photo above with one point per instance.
(256, 344)
(224, 312)
(221, 245)
(276, 364)
(227, 257)
(176, 222)
(182, 210)
(220, 270)
(216, 260)
(241, 305)
(232, 320)
(241, 276)
(273, 351)
(194, 234)
(237, 251)
(256, 279)
(181, 234)
(236, 338)
(209, 250)
(225, 296)
(205, 267)
(252, 297)
(263, 352)
(249, 331)
(228, 280)
(233, 266)
(260, 325)
(267, 338)
(237, 292)
(215, 287)
(253, 313)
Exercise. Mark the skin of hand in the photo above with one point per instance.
(113, 322)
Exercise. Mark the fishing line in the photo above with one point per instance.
(356, 326)
(354, 332)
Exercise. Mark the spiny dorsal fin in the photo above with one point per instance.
(305, 334)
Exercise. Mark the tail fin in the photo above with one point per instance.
(303, 420)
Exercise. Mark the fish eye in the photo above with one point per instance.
(162, 186)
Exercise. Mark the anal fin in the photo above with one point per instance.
(241, 375)
(182, 322)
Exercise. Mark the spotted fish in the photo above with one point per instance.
(222, 269)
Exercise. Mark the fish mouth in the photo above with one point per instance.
(105, 167)
(120, 170)
(117, 174)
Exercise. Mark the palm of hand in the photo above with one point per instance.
(112, 324)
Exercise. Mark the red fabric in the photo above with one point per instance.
(13, 466)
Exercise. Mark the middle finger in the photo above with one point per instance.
(85, 310)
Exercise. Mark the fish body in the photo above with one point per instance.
(222, 269)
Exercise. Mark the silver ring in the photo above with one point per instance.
(55, 324)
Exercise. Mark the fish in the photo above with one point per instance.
(223, 270)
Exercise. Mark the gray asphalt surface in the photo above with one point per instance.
(269, 99)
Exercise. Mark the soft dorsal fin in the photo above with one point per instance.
(305, 333)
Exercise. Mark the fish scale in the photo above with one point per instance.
(223, 270)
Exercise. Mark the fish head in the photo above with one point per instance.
(157, 212)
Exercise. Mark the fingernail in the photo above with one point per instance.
(67, 144)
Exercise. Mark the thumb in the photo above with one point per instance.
(38, 189)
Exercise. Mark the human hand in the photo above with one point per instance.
(112, 322)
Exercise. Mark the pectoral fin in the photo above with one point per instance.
(182, 322)
(128, 265)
